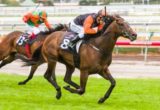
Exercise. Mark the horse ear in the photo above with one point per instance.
(117, 20)
(117, 17)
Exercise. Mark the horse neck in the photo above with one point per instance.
(106, 42)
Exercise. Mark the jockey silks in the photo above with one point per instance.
(88, 22)
(34, 19)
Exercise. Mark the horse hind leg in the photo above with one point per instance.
(7, 60)
(68, 75)
(106, 75)
(50, 76)
(32, 71)
(83, 82)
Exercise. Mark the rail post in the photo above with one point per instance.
(13, 26)
(147, 42)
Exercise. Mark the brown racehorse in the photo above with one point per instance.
(9, 47)
(95, 57)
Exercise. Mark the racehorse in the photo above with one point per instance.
(95, 56)
(9, 47)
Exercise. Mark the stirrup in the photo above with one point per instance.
(71, 44)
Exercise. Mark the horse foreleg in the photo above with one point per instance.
(7, 60)
(68, 75)
(83, 82)
(50, 76)
(106, 74)
(32, 71)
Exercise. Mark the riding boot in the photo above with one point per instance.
(74, 41)
(28, 51)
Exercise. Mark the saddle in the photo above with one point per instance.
(65, 44)
(23, 39)
(68, 37)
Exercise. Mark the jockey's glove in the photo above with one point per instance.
(95, 28)
(100, 32)
(51, 29)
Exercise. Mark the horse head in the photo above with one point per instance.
(122, 28)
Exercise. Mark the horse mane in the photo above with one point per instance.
(57, 28)
(116, 16)
(88, 38)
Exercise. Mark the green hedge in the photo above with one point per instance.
(10, 3)
(88, 2)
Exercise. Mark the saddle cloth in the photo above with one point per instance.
(68, 37)
(22, 40)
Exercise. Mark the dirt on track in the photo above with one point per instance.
(123, 66)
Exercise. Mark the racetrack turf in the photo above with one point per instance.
(38, 94)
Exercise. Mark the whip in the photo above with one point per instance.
(105, 10)
(39, 2)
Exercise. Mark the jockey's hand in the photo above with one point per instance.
(51, 29)
(95, 28)
(99, 32)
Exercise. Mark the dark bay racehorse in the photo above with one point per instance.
(95, 57)
(9, 47)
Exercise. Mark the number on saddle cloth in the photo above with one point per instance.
(23, 39)
(68, 37)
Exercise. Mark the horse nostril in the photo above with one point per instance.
(134, 34)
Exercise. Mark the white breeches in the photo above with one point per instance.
(35, 30)
(77, 29)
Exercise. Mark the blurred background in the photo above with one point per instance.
(79, 2)
(137, 60)
(143, 16)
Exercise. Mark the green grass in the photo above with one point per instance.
(38, 94)
(122, 50)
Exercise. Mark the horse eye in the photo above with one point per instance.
(121, 24)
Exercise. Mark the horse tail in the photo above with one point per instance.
(36, 57)
(37, 54)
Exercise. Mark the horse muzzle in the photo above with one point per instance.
(133, 37)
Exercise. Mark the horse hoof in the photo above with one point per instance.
(21, 83)
(58, 96)
(101, 100)
(66, 87)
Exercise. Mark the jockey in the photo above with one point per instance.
(90, 23)
(33, 20)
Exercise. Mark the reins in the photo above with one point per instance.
(102, 34)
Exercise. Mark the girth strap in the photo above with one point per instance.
(76, 59)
